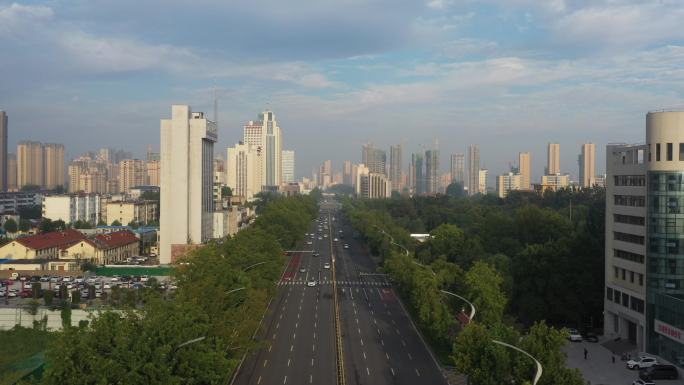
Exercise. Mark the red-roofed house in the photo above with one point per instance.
(41, 246)
(105, 248)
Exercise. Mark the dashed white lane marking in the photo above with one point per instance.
(387, 355)
(417, 372)
(392, 370)
(291, 347)
(410, 356)
(382, 342)
(259, 380)
(312, 362)
(361, 341)
(277, 325)
(313, 348)
(265, 361)
(285, 380)
(364, 355)
(374, 321)
(378, 331)
(403, 343)
(296, 325)
(269, 348)
(288, 362)
(397, 330)
(368, 371)
(294, 336)
(274, 335)
(310, 379)
(359, 329)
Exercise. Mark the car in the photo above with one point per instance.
(35, 278)
(574, 335)
(311, 283)
(107, 285)
(66, 279)
(642, 382)
(45, 278)
(309, 243)
(335, 240)
(27, 284)
(302, 270)
(55, 279)
(144, 278)
(659, 372)
(316, 254)
(115, 278)
(346, 245)
(26, 293)
(590, 337)
(12, 293)
(326, 265)
(79, 279)
(320, 238)
(23, 278)
(642, 362)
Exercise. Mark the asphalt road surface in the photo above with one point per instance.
(379, 342)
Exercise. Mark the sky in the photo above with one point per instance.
(509, 75)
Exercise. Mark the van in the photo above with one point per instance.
(659, 372)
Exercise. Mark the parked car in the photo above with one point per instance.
(659, 372)
(144, 278)
(45, 278)
(574, 335)
(55, 279)
(642, 362)
(590, 337)
(26, 293)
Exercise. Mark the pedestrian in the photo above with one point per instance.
(585, 353)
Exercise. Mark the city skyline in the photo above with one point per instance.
(547, 73)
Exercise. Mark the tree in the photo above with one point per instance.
(150, 196)
(10, 226)
(455, 190)
(24, 225)
(48, 295)
(483, 288)
(226, 192)
(116, 223)
(133, 224)
(101, 222)
(65, 314)
(30, 188)
(46, 226)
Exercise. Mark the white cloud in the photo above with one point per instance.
(17, 17)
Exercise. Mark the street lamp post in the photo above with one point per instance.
(234, 290)
(539, 370)
(472, 307)
(392, 239)
(192, 341)
(253, 265)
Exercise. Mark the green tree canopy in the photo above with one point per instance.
(10, 226)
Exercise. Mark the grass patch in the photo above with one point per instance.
(22, 352)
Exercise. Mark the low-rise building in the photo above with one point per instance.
(13, 201)
(41, 246)
(125, 212)
(72, 208)
(507, 182)
(555, 182)
(105, 248)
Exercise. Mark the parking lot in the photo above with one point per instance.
(599, 368)
(20, 292)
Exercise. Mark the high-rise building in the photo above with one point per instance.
(153, 172)
(92, 182)
(265, 136)
(187, 153)
(508, 182)
(664, 237)
(75, 169)
(473, 169)
(587, 165)
(11, 172)
(372, 185)
(525, 170)
(54, 172)
(431, 171)
(151, 155)
(347, 173)
(457, 168)
(395, 174)
(482, 181)
(416, 175)
(243, 174)
(553, 159)
(373, 158)
(132, 173)
(3, 151)
(626, 240)
(30, 163)
(288, 164)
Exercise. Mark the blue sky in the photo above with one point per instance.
(510, 75)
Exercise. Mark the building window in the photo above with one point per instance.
(631, 276)
(629, 256)
(625, 299)
(629, 219)
(617, 272)
(669, 152)
(629, 180)
(641, 280)
(624, 274)
(631, 238)
(629, 200)
(616, 296)
(681, 151)
(609, 293)
(657, 152)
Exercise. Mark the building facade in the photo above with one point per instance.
(125, 212)
(3, 151)
(417, 174)
(555, 182)
(243, 174)
(457, 169)
(29, 164)
(288, 159)
(482, 181)
(625, 253)
(54, 167)
(373, 158)
(508, 182)
(587, 165)
(73, 207)
(473, 169)
(395, 171)
(432, 185)
(525, 170)
(187, 153)
(132, 173)
(12, 172)
(553, 159)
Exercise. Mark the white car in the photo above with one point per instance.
(311, 283)
(642, 362)
(335, 240)
(107, 285)
(144, 278)
(574, 336)
(643, 382)
(346, 245)
(326, 265)
(309, 243)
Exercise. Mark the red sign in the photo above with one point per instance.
(669, 331)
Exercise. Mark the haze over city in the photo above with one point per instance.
(508, 75)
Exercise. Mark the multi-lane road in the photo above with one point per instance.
(375, 336)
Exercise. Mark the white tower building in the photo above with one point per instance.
(187, 154)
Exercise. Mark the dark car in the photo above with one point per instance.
(590, 337)
(659, 372)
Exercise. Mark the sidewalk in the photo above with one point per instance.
(599, 369)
